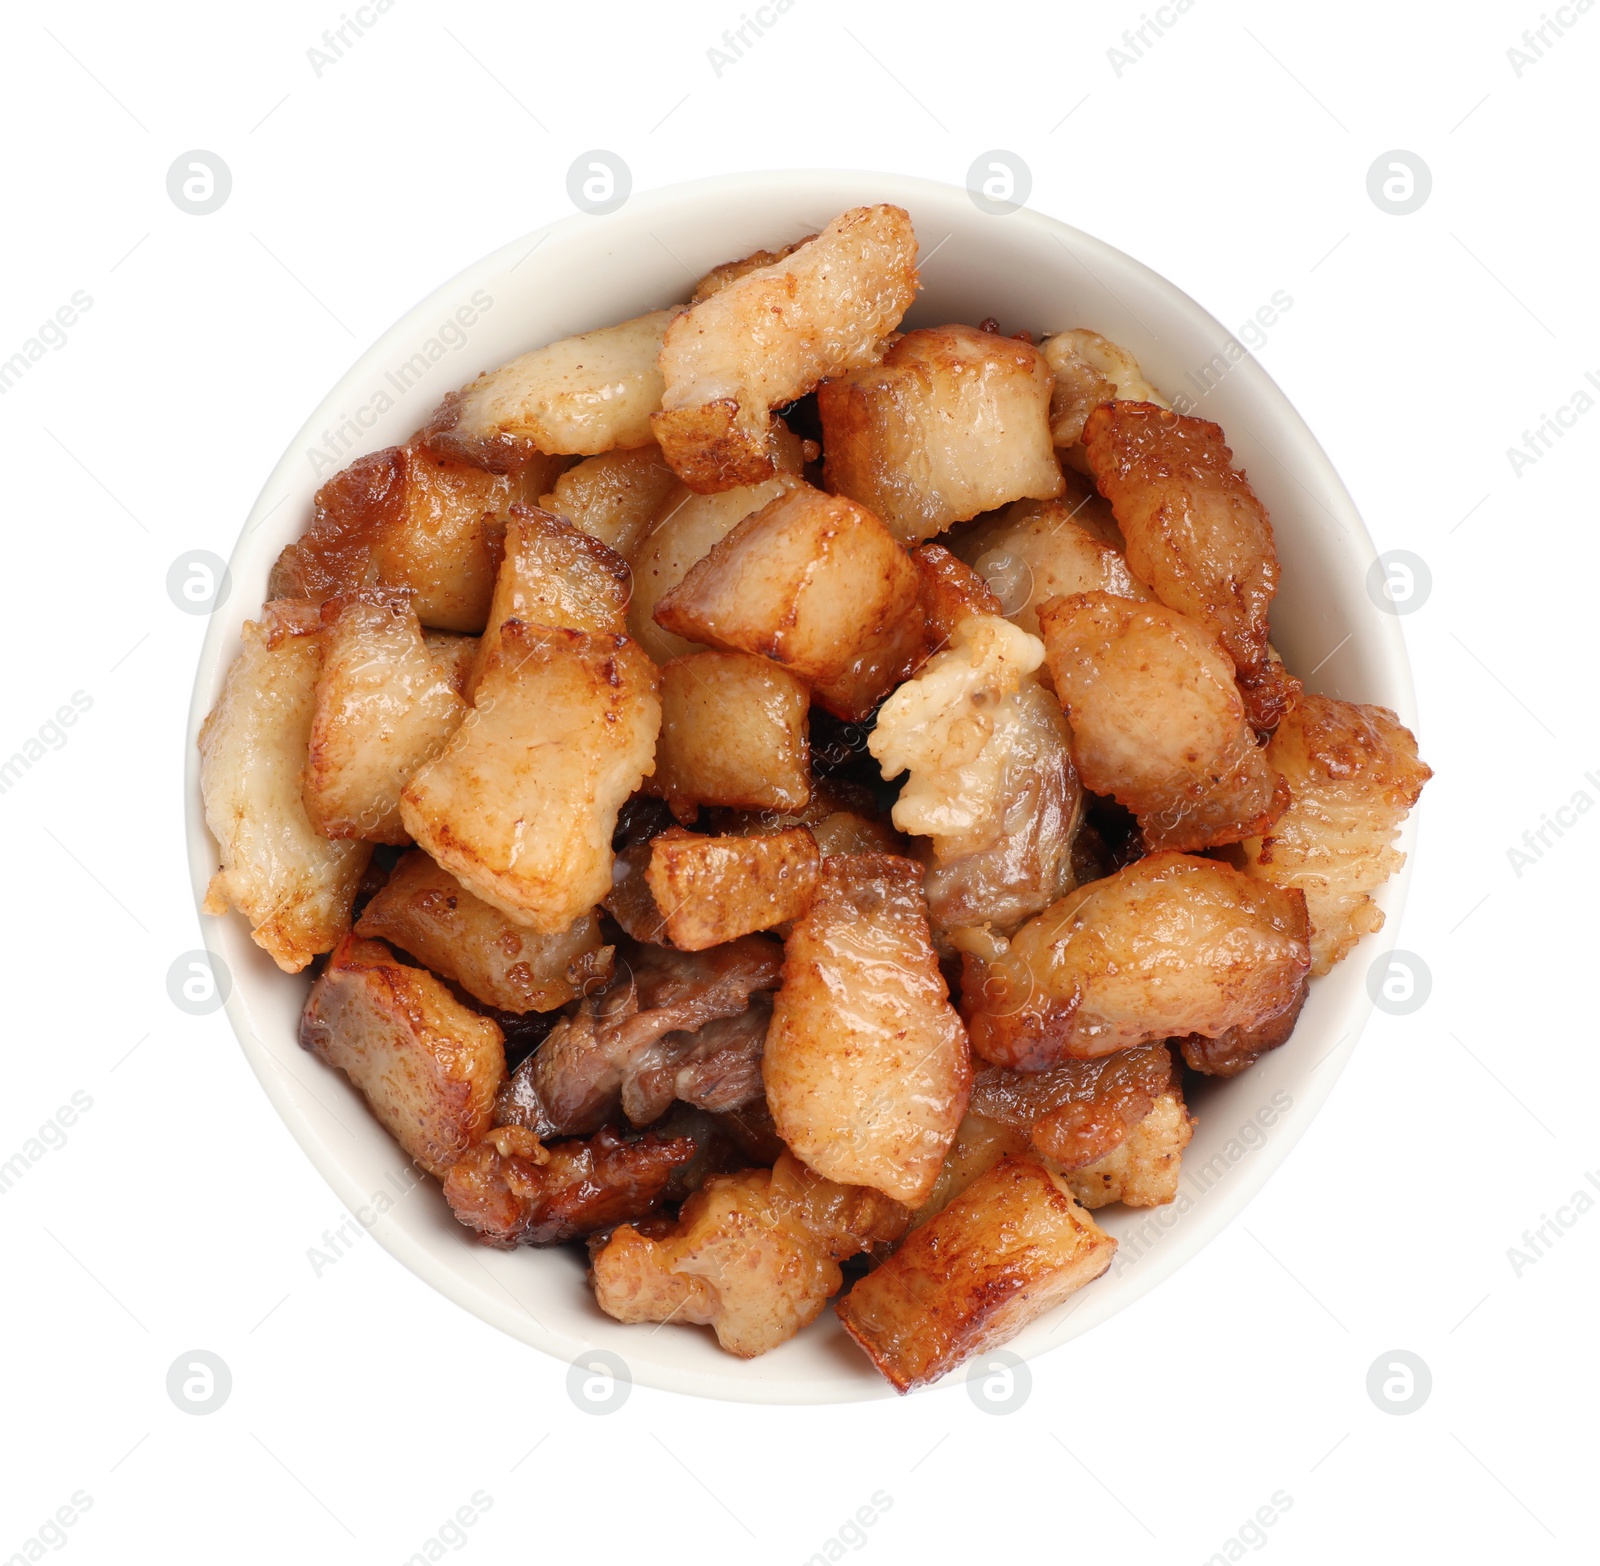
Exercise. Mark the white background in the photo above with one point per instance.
(1232, 157)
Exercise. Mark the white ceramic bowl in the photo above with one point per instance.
(1029, 270)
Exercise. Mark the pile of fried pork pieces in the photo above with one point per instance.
(781, 802)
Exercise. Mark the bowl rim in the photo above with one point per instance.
(1381, 633)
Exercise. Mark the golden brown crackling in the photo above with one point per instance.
(385, 707)
(1169, 945)
(770, 335)
(1012, 1246)
(1241, 1047)
(426, 911)
(754, 1255)
(1196, 534)
(295, 886)
(715, 889)
(817, 584)
(949, 591)
(528, 827)
(1353, 774)
(952, 422)
(735, 731)
(1157, 721)
(869, 1092)
(428, 1067)
(407, 519)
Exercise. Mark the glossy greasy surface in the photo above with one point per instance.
(1197, 536)
(1081, 1110)
(580, 396)
(514, 1192)
(866, 1062)
(715, 889)
(522, 804)
(406, 518)
(954, 421)
(385, 708)
(295, 886)
(425, 911)
(428, 1067)
(770, 335)
(1353, 774)
(1010, 1247)
(734, 731)
(815, 583)
(1157, 721)
(1170, 945)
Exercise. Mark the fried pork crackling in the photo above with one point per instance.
(792, 800)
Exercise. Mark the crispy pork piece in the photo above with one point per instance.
(1012, 1246)
(1037, 550)
(715, 889)
(1088, 370)
(514, 1191)
(1157, 721)
(954, 421)
(753, 1255)
(1170, 945)
(294, 886)
(585, 1069)
(1232, 1052)
(866, 1062)
(425, 911)
(684, 531)
(734, 731)
(949, 592)
(555, 574)
(613, 497)
(727, 1264)
(1143, 1169)
(522, 804)
(1353, 775)
(384, 709)
(403, 518)
(719, 277)
(577, 397)
(1077, 1112)
(427, 1066)
(953, 728)
(771, 335)
(1029, 865)
(1197, 536)
(815, 583)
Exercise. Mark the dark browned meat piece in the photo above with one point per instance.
(717, 1067)
(582, 1072)
(513, 1192)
